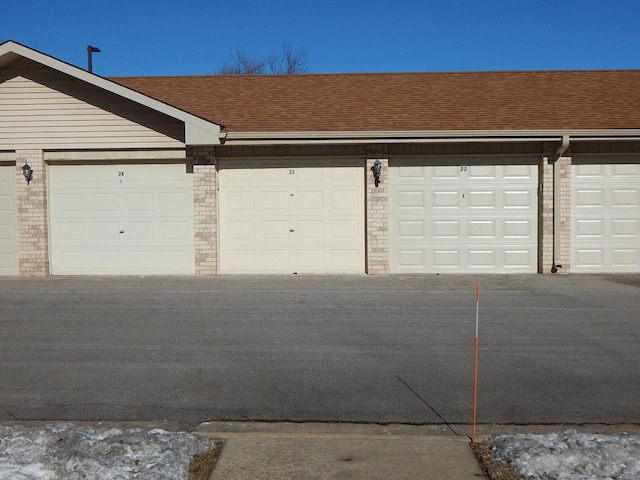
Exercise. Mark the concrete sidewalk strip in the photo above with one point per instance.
(284, 452)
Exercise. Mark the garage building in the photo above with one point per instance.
(479, 172)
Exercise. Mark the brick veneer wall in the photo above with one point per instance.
(547, 232)
(545, 215)
(33, 232)
(564, 256)
(205, 181)
(377, 217)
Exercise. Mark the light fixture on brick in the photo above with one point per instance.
(376, 168)
(27, 172)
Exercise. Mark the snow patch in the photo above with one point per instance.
(73, 452)
(571, 455)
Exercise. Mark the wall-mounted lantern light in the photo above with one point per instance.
(376, 168)
(27, 172)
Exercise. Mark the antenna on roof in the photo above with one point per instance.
(90, 51)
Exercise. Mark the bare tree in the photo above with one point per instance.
(290, 60)
(241, 63)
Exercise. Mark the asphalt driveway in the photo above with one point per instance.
(553, 349)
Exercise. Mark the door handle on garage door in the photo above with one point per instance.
(121, 231)
(291, 230)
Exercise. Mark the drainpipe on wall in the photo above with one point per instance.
(556, 202)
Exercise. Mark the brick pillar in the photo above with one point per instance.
(545, 215)
(377, 218)
(205, 181)
(33, 232)
(564, 256)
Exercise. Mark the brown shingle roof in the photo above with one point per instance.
(538, 100)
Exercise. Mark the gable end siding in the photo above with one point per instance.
(46, 109)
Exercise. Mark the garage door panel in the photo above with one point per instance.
(343, 176)
(98, 233)
(137, 203)
(630, 171)
(518, 259)
(309, 260)
(309, 230)
(7, 233)
(412, 174)
(625, 198)
(279, 230)
(447, 229)
(273, 201)
(244, 259)
(173, 203)
(439, 173)
(625, 257)
(626, 228)
(480, 199)
(589, 172)
(273, 260)
(590, 198)
(345, 201)
(516, 173)
(445, 199)
(135, 219)
(605, 212)
(416, 229)
(589, 228)
(449, 259)
(482, 173)
(7, 203)
(8, 221)
(519, 229)
(307, 209)
(521, 199)
(341, 230)
(485, 259)
(482, 229)
(138, 232)
(412, 200)
(308, 201)
(484, 220)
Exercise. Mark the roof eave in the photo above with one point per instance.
(427, 136)
(197, 130)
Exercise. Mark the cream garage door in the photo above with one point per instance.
(605, 215)
(466, 215)
(8, 221)
(121, 219)
(291, 216)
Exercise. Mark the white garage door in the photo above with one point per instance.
(121, 219)
(291, 216)
(605, 212)
(463, 215)
(8, 221)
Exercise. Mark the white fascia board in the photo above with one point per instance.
(431, 136)
(198, 131)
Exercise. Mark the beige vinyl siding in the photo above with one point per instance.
(46, 109)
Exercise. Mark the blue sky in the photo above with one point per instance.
(190, 37)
